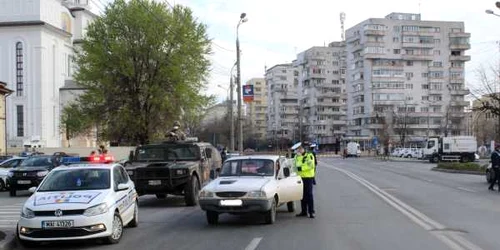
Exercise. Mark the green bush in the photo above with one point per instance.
(470, 166)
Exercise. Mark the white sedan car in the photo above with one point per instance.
(81, 201)
(252, 184)
(5, 167)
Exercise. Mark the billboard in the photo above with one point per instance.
(248, 93)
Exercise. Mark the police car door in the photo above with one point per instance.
(290, 187)
(124, 198)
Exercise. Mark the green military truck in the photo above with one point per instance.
(173, 167)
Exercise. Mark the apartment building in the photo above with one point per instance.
(322, 91)
(283, 109)
(256, 111)
(401, 69)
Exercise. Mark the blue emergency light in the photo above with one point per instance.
(88, 160)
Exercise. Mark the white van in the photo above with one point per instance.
(353, 149)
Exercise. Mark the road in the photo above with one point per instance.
(361, 204)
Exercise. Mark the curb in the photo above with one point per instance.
(9, 242)
(454, 171)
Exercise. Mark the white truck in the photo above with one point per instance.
(353, 149)
(451, 148)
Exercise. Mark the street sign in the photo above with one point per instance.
(375, 141)
(248, 93)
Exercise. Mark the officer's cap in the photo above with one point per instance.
(296, 145)
(313, 145)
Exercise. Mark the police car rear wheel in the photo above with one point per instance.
(116, 230)
(2, 185)
(270, 216)
(135, 221)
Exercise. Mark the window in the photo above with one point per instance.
(409, 63)
(19, 69)
(409, 75)
(397, 51)
(437, 64)
(395, 39)
(437, 52)
(20, 120)
(437, 41)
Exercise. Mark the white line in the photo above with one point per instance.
(453, 241)
(253, 244)
(8, 220)
(466, 189)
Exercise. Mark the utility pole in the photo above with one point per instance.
(238, 82)
(231, 112)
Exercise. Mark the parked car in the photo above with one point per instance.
(252, 184)
(5, 167)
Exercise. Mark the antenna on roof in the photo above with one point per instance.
(419, 3)
(342, 20)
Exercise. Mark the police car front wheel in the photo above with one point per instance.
(116, 230)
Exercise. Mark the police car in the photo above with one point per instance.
(80, 201)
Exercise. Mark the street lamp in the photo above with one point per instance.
(238, 82)
(491, 12)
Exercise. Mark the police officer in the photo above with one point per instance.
(176, 133)
(495, 165)
(304, 163)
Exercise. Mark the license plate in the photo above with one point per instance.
(23, 182)
(231, 203)
(154, 183)
(57, 224)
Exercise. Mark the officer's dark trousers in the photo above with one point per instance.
(496, 179)
(307, 202)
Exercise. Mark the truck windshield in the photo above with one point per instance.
(37, 162)
(174, 152)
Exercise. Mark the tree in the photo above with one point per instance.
(401, 122)
(487, 95)
(140, 64)
(73, 122)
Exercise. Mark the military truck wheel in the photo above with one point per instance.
(12, 192)
(212, 217)
(2, 185)
(191, 191)
(161, 196)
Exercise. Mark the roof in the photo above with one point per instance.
(263, 157)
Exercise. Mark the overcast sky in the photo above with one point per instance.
(279, 29)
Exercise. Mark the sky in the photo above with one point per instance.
(277, 30)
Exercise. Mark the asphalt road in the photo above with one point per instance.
(361, 204)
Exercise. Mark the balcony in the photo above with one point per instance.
(418, 57)
(458, 114)
(371, 55)
(418, 45)
(374, 44)
(357, 47)
(459, 58)
(459, 46)
(459, 91)
(457, 80)
(459, 103)
(369, 32)
(459, 34)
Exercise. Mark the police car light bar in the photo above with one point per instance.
(90, 159)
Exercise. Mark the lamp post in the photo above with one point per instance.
(238, 82)
(492, 13)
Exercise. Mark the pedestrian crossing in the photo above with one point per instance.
(9, 215)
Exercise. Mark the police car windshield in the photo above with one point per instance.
(76, 179)
(175, 152)
(37, 162)
(249, 167)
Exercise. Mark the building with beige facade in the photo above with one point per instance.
(403, 67)
(256, 110)
(283, 109)
(322, 97)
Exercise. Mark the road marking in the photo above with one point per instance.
(466, 189)
(9, 215)
(453, 240)
(253, 244)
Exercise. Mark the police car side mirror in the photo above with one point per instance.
(286, 172)
(32, 190)
(122, 186)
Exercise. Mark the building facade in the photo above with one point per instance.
(4, 92)
(322, 91)
(37, 38)
(405, 76)
(256, 110)
(283, 109)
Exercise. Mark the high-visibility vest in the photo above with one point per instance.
(307, 167)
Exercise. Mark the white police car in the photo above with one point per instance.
(80, 201)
